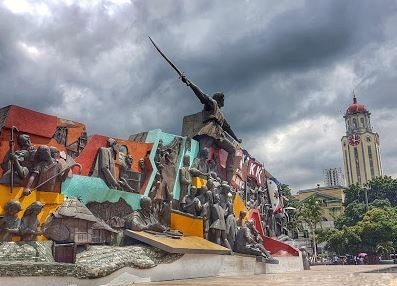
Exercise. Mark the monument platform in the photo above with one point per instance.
(182, 245)
(187, 267)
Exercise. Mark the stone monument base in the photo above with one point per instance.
(188, 266)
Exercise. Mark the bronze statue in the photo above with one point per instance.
(155, 186)
(30, 223)
(231, 226)
(142, 170)
(190, 203)
(215, 180)
(18, 162)
(248, 241)
(159, 156)
(104, 164)
(200, 166)
(240, 220)
(45, 173)
(225, 195)
(10, 223)
(218, 224)
(206, 212)
(185, 178)
(202, 194)
(125, 175)
(143, 219)
(216, 129)
(213, 118)
(210, 184)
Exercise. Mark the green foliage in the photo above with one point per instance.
(381, 204)
(310, 212)
(372, 230)
(385, 247)
(354, 194)
(379, 226)
(324, 234)
(380, 188)
(383, 188)
(290, 201)
(344, 241)
(354, 213)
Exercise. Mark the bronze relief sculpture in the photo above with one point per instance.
(10, 223)
(143, 219)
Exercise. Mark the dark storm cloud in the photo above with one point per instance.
(280, 64)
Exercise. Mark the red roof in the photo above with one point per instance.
(355, 107)
(31, 122)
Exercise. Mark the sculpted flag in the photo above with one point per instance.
(256, 171)
(274, 195)
(240, 172)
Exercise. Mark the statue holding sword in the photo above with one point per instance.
(216, 130)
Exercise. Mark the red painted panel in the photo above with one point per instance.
(87, 156)
(276, 248)
(75, 129)
(136, 149)
(31, 122)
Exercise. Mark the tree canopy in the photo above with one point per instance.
(360, 229)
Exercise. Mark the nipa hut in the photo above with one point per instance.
(74, 222)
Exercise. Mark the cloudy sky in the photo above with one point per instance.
(287, 68)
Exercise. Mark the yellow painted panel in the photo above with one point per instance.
(198, 182)
(51, 202)
(189, 225)
(238, 205)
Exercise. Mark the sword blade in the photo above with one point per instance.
(165, 57)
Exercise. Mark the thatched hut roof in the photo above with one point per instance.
(73, 208)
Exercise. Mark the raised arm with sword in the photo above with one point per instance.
(214, 120)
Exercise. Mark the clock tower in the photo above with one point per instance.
(360, 146)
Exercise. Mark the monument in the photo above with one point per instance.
(72, 197)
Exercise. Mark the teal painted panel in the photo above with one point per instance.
(92, 189)
(194, 149)
(154, 137)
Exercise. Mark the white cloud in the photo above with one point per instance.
(27, 7)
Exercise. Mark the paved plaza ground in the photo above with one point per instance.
(334, 275)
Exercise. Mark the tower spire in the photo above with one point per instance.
(354, 97)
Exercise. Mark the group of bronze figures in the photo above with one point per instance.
(26, 228)
(104, 168)
(44, 168)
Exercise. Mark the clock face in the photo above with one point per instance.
(354, 139)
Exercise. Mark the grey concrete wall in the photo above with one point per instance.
(189, 266)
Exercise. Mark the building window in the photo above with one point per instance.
(347, 169)
(357, 165)
(371, 162)
(362, 122)
(354, 123)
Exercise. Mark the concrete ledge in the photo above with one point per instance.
(189, 266)
(286, 264)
